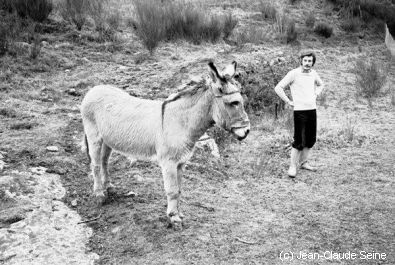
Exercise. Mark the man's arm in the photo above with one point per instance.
(319, 85)
(287, 80)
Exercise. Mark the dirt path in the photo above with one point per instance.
(46, 231)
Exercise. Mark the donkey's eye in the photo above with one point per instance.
(234, 103)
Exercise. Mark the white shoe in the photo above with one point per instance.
(292, 172)
(307, 166)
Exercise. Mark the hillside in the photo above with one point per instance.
(240, 208)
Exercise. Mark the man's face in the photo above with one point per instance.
(307, 63)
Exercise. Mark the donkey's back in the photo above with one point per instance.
(120, 121)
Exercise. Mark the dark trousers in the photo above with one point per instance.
(305, 129)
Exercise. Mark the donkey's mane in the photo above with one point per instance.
(191, 89)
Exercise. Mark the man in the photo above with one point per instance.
(305, 85)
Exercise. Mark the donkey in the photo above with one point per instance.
(165, 132)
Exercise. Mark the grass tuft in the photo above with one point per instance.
(370, 80)
(323, 29)
(173, 20)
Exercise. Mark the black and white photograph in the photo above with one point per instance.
(197, 132)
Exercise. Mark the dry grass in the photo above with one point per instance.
(253, 34)
(310, 20)
(351, 24)
(370, 80)
(230, 24)
(268, 9)
(323, 29)
(38, 10)
(175, 20)
(75, 11)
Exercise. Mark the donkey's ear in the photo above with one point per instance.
(230, 70)
(214, 72)
(213, 77)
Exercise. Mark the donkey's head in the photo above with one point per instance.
(228, 106)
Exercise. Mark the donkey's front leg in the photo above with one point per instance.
(172, 189)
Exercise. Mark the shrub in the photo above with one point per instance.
(230, 23)
(74, 11)
(310, 20)
(285, 28)
(291, 34)
(370, 79)
(11, 29)
(323, 29)
(348, 130)
(3, 39)
(258, 81)
(174, 20)
(253, 34)
(150, 26)
(267, 9)
(38, 10)
(351, 24)
(7, 5)
(35, 49)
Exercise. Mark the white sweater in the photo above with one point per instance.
(305, 87)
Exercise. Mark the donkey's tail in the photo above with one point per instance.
(86, 147)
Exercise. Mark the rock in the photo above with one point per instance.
(73, 92)
(2, 165)
(271, 63)
(86, 60)
(131, 194)
(281, 59)
(38, 170)
(45, 43)
(116, 230)
(123, 68)
(74, 203)
(52, 149)
(206, 141)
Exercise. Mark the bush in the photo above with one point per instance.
(310, 20)
(11, 29)
(291, 34)
(38, 10)
(74, 11)
(323, 29)
(285, 28)
(351, 24)
(370, 79)
(229, 25)
(174, 20)
(258, 81)
(253, 34)
(267, 9)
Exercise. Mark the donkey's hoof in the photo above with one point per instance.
(176, 222)
(100, 198)
(110, 188)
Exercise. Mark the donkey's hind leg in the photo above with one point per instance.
(95, 145)
(105, 155)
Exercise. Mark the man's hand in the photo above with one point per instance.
(290, 103)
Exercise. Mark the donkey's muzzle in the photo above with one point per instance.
(241, 130)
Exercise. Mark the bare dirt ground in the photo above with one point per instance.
(240, 209)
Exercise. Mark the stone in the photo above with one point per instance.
(74, 203)
(52, 149)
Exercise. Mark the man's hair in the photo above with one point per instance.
(307, 54)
